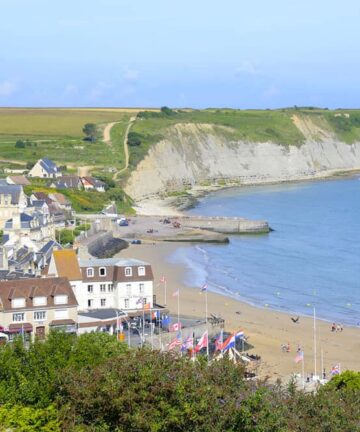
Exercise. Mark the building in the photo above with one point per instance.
(67, 182)
(116, 283)
(105, 283)
(61, 201)
(34, 306)
(92, 183)
(13, 201)
(45, 168)
(36, 226)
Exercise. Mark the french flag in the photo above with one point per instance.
(240, 334)
(229, 343)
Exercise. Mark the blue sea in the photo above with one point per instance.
(312, 258)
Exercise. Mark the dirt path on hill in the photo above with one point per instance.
(12, 161)
(126, 147)
(107, 130)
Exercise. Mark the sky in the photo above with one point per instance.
(180, 53)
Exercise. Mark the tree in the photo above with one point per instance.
(90, 131)
(167, 111)
(134, 139)
(20, 144)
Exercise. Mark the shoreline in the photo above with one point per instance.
(177, 205)
(267, 328)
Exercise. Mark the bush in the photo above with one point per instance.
(20, 144)
(134, 139)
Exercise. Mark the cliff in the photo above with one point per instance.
(198, 154)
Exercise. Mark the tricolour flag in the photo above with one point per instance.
(239, 334)
(299, 356)
(156, 315)
(335, 370)
(204, 287)
(176, 293)
(203, 342)
(187, 344)
(229, 343)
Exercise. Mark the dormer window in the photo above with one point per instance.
(90, 272)
(102, 271)
(18, 302)
(61, 299)
(141, 271)
(128, 271)
(39, 301)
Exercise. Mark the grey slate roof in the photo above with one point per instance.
(49, 166)
(13, 190)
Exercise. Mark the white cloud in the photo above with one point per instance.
(271, 91)
(247, 67)
(7, 88)
(131, 75)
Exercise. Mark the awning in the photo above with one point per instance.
(62, 322)
(16, 328)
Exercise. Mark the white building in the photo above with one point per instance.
(106, 283)
(45, 168)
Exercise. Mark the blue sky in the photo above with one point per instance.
(199, 53)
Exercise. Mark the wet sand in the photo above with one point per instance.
(266, 329)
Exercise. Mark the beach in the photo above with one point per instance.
(266, 329)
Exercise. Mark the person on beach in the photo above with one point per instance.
(338, 328)
(288, 347)
(333, 327)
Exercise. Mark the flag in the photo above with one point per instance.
(176, 293)
(239, 334)
(147, 306)
(187, 344)
(299, 356)
(156, 315)
(140, 301)
(175, 327)
(204, 287)
(166, 320)
(219, 341)
(335, 370)
(229, 343)
(203, 342)
(162, 279)
(175, 342)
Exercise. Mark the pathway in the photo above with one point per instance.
(126, 147)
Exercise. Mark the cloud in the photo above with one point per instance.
(247, 67)
(271, 91)
(7, 88)
(130, 75)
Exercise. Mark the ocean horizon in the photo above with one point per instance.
(311, 259)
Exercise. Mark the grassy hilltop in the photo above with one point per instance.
(57, 134)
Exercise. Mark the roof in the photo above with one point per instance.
(19, 180)
(42, 196)
(13, 190)
(94, 181)
(60, 198)
(38, 203)
(30, 288)
(67, 264)
(62, 322)
(68, 182)
(48, 165)
(103, 314)
(103, 262)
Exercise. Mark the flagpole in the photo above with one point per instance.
(314, 342)
(151, 329)
(206, 321)
(165, 299)
(303, 371)
(178, 307)
(143, 332)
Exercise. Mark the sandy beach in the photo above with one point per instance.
(266, 329)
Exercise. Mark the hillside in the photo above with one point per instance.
(200, 148)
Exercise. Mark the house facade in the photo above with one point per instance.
(12, 202)
(45, 168)
(32, 307)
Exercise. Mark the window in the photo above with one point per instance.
(141, 271)
(90, 272)
(141, 288)
(39, 301)
(19, 317)
(102, 287)
(103, 302)
(18, 302)
(61, 314)
(61, 299)
(128, 271)
(126, 303)
(90, 303)
(39, 315)
(128, 289)
(110, 287)
(102, 271)
(90, 288)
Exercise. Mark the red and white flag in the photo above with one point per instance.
(176, 293)
(175, 327)
(203, 342)
(162, 279)
(174, 343)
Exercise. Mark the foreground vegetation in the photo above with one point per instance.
(95, 383)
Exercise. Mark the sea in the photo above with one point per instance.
(311, 259)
